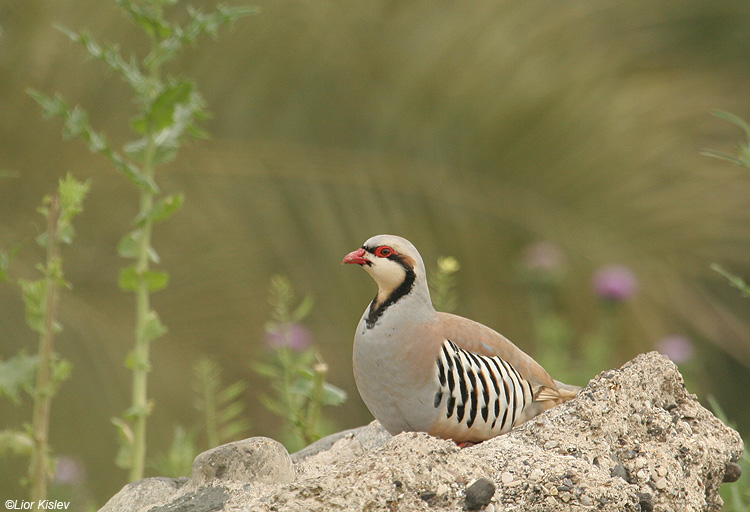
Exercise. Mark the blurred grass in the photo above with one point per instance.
(472, 132)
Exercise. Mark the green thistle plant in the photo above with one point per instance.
(737, 495)
(296, 369)
(169, 108)
(222, 407)
(42, 374)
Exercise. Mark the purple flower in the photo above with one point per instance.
(69, 471)
(678, 348)
(615, 283)
(294, 336)
(543, 256)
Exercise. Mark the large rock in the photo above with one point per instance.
(633, 440)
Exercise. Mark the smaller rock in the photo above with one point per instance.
(144, 493)
(645, 501)
(536, 475)
(427, 495)
(732, 472)
(506, 478)
(479, 494)
(621, 471)
(661, 483)
(257, 459)
(209, 499)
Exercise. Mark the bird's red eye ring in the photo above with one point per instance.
(384, 251)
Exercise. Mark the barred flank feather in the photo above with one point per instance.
(489, 390)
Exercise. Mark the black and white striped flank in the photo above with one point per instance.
(479, 391)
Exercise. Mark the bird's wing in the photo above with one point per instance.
(480, 339)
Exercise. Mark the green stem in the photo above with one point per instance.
(211, 411)
(39, 467)
(141, 364)
(315, 402)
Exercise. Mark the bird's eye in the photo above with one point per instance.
(383, 251)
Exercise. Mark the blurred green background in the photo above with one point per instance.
(474, 130)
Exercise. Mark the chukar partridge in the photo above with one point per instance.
(421, 370)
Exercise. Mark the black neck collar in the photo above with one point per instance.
(377, 310)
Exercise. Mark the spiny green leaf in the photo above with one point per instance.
(160, 112)
(138, 149)
(231, 393)
(110, 55)
(162, 209)
(17, 374)
(201, 23)
(72, 194)
(234, 429)
(230, 412)
(734, 280)
(266, 370)
(303, 309)
(75, 123)
(34, 293)
(51, 107)
(147, 18)
(178, 461)
(61, 370)
(156, 280)
(272, 405)
(133, 173)
(129, 246)
(6, 259)
(131, 278)
(153, 328)
(722, 156)
(125, 436)
(736, 120)
(15, 442)
(333, 395)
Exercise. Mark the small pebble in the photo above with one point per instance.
(662, 471)
(536, 475)
(427, 495)
(640, 462)
(642, 474)
(661, 483)
(732, 472)
(645, 501)
(506, 478)
(585, 500)
(619, 470)
(479, 494)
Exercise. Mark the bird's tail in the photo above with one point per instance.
(567, 391)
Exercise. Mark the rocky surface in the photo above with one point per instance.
(633, 440)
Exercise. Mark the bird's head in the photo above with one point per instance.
(393, 262)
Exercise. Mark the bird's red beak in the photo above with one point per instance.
(357, 257)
